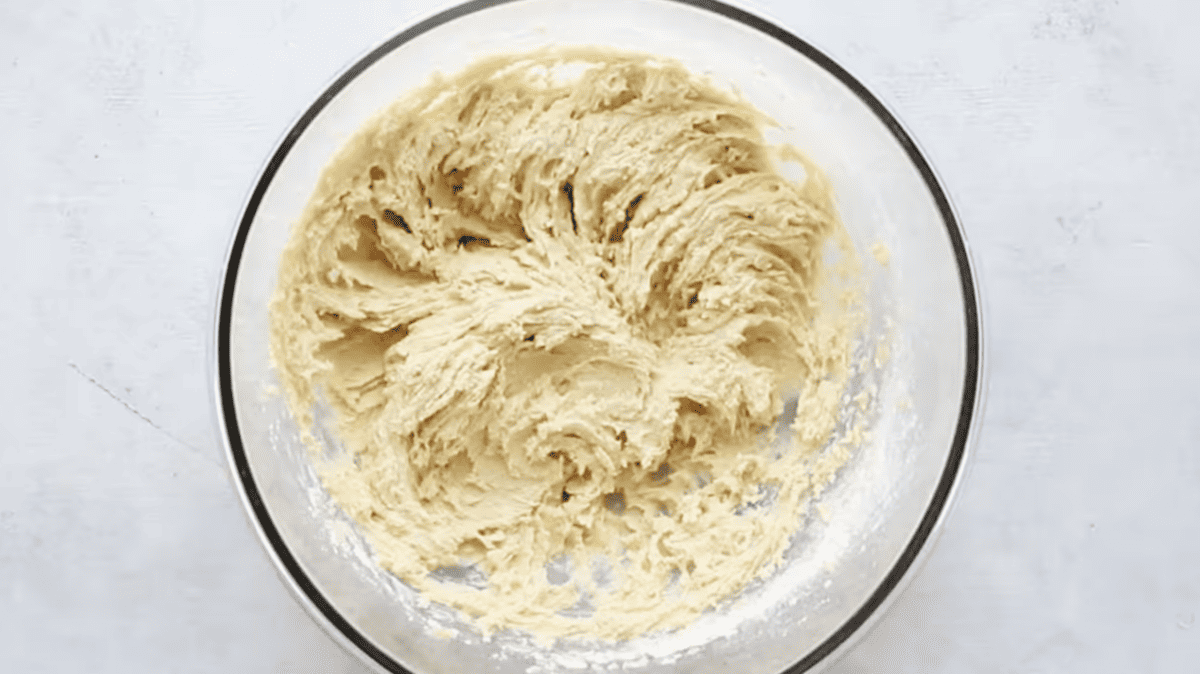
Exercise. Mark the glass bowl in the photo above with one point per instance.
(921, 358)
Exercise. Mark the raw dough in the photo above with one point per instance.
(557, 303)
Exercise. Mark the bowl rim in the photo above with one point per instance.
(225, 408)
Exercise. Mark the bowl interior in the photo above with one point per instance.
(919, 354)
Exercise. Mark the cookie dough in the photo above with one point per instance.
(558, 303)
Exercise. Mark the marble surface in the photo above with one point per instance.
(1068, 132)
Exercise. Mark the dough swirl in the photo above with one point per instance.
(556, 302)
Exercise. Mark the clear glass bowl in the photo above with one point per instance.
(885, 504)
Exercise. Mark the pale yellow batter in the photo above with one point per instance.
(557, 302)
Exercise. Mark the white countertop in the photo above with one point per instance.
(1067, 131)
